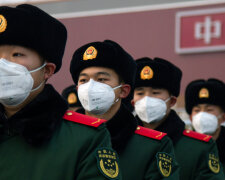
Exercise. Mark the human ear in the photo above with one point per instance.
(49, 70)
(172, 101)
(132, 102)
(125, 90)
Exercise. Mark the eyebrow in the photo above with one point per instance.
(139, 88)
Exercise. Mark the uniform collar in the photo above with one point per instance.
(121, 127)
(173, 126)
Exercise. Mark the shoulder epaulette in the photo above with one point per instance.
(83, 119)
(150, 133)
(196, 135)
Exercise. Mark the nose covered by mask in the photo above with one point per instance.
(16, 82)
(205, 123)
(96, 97)
(150, 109)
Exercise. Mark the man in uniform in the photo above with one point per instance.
(39, 140)
(157, 87)
(104, 73)
(205, 103)
(70, 95)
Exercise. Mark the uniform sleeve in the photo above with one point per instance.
(164, 166)
(90, 167)
(209, 166)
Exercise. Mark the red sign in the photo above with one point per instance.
(200, 31)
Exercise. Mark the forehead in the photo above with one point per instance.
(207, 106)
(143, 88)
(9, 48)
(96, 70)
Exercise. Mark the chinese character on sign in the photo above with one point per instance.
(200, 31)
(207, 30)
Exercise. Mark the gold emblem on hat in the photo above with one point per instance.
(72, 98)
(204, 93)
(214, 164)
(90, 53)
(164, 163)
(3, 23)
(146, 73)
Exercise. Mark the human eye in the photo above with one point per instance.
(156, 92)
(196, 110)
(139, 93)
(82, 80)
(102, 79)
(17, 54)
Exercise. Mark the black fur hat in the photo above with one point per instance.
(70, 95)
(211, 91)
(107, 54)
(30, 27)
(158, 73)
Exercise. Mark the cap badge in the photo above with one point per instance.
(90, 53)
(3, 23)
(146, 73)
(204, 93)
(72, 98)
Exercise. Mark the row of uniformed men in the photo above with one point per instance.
(40, 139)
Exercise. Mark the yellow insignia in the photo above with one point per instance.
(72, 98)
(204, 93)
(3, 23)
(214, 164)
(146, 73)
(108, 162)
(90, 53)
(164, 163)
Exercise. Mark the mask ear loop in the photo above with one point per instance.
(35, 71)
(38, 68)
(167, 99)
(114, 89)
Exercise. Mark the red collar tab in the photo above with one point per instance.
(83, 119)
(150, 133)
(196, 135)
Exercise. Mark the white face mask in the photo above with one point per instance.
(205, 123)
(96, 97)
(151, 109)
(16, 82)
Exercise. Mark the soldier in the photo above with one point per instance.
(205, 103)
(156, 90)
(39, 140)
(104, 73)
(70, 95)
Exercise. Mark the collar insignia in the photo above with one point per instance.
(146, 73)
(204, 93)
(72, 98)
(165, 162)
(108, 162)
(3, 23)
(214, 164)
(90, 53)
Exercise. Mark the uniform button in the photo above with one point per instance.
(187, 131)
(138, 128)
(69, 113)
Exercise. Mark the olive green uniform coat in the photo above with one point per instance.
(194, 152)
(139, 148)
(38, 144)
